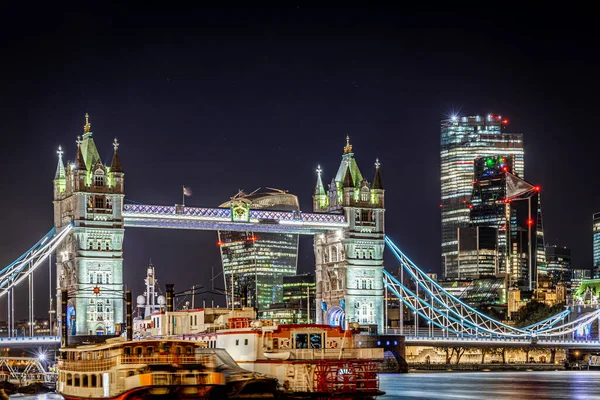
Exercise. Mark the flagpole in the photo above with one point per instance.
(183, 195)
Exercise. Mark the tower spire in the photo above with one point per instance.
(79, 163)
(115, 165)
(319, 188)
(377, 183)
(348, 148)
(60, 168)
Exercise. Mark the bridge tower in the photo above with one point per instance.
(349, 262)
(89, 263)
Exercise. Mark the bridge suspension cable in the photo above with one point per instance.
(27, 263)
(453, 316)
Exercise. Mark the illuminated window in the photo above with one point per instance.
(99, 202)
(99, 178)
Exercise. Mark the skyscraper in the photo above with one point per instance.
(463, 139)
(256, 262)
(596, 243)
(559, 264)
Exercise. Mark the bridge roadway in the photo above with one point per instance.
(180, 217)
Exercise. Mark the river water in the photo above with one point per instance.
(492, 385)
(577, 385)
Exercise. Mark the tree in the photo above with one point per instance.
(535, 311)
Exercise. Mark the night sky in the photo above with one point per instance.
(222, 100)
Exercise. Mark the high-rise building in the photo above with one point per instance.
(596, 243)
(578, 276)
(558, 260)
(89, 263)
(349, 262)
(256, 262)
(298, 301)
(463, 139)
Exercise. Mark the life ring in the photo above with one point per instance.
(332, 344)
(285, 344)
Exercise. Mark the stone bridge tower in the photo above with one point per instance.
(89, 263)
(349, 262)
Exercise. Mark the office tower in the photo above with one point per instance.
(559, 264)
(463, 139)
(596, 243)
(477, 252)
(256, 262)
(578, 276)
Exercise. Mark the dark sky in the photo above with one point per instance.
(222, 100)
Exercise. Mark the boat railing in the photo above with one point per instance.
(87, 365)
(107, 363)
(329, 354)
(206, 359)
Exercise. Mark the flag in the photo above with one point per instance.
(187, 191)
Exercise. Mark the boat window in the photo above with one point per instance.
(138, 351)
(150, 350)
(130, 373)
(237, 342)
(127, 351)
(246, 342)
(69, 380)
(316, 341)
(189, 350)
(84, 381)
(94, 381)
(77, 380)
(275, 343)
(302, 340)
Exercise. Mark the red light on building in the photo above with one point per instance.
(474, 182)
(504, 169)
(441, 205)
(530, 222)
(505, 121)
(219, 243)
(253, 238)
(537, 188)
(470, 205)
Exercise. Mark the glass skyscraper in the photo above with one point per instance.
(596, 243)
(256, 262)
(463, 139)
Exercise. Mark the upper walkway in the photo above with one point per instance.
(180, 217)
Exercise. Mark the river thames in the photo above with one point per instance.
(577, 385)
(492, 385)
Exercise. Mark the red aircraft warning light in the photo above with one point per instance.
(530, 222)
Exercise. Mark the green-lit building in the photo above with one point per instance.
(256, 262)
(298, 301)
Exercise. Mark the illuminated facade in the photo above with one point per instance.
(463, 139)
(89, 262)
(297, 292)
(256, 262)
(596, 244)
(559, 264)
(349, 262)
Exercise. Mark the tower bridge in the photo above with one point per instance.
(347, 223)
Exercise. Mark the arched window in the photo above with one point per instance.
(84, 381)
(94, 381)
(99, 177)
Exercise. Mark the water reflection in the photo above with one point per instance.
(492, 385)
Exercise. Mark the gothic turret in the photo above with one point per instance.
(348, 188)
(319, 195)
(116, 170)
(377, 187)
(59, 175)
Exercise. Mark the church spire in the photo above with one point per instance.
(79, 163)
(319, 188)
(60, 168)
(377, 183)
(115, 166)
